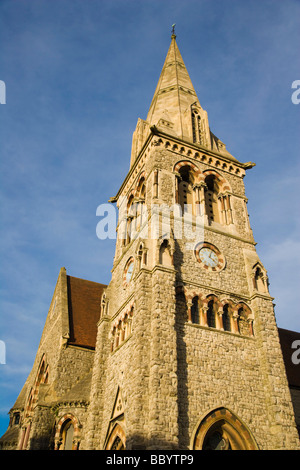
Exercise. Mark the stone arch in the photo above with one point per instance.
(222, 182)
(182, 163)
(165, 253)
(141, 186)
(116, 439)
(212, 307)
(260, 278)
(227, 309)
(187, 178)
(141, 254)
(217, 196)
(67, 421)
(244, 318)
(221, 429)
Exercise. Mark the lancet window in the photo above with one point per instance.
(226, 318)
(196, 126)
(185, 189)
(211, 315)
(135, 214)
(195, 310)
(211, 199)
(217, 200)
(260, 279)
(121, 329)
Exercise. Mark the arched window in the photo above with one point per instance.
(116, 439)
(196, 126)
(117, 444)
(164, 254)
(141, 189)
(243, 321)
(142, 256)
(211, 199)
(195, 310)
(130, 218)
(185, 189)
(226, 318)
(259, 282)
(121, 329)
(136, 211)
(211, 317)
(140, 204)
(222, 430)
(67, 435)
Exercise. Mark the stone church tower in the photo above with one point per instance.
(183, 351)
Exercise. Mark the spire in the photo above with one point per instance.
(174, 93)
(175, 108)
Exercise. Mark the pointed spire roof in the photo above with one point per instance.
(176, 110)
(174, 93)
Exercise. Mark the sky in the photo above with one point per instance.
(78, 75)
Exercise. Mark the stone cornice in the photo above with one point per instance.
(189, 150)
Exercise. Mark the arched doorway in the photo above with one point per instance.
(222, 430)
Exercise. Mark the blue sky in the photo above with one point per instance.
(78, 75)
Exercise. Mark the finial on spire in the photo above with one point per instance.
(173, 31)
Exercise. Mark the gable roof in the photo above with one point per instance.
(84, 302)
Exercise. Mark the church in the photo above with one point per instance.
(181, 350)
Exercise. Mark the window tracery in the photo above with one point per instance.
(222, 430)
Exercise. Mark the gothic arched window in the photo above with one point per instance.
(196, 126)
(243, 326)
(195, 310)
(140, 204)
(259, 280)
(211, 199)
(67, 435)
(185, 189)
(211, 317)
(222, 430)
(226, 318)
(165, 257)
(130, 218)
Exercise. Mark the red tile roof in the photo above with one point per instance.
(84, 300)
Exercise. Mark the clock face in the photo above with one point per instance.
(128, 271)
(209, 257)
